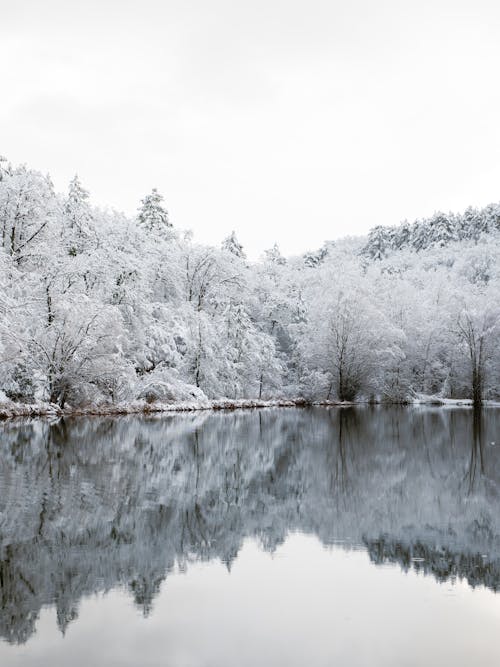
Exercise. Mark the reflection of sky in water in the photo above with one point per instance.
(164, 541)
(304, 605)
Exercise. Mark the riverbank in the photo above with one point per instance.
(11, 409)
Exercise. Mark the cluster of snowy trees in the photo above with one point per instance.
(437, 231)
(98, 307)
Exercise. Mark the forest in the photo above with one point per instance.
(102, 309)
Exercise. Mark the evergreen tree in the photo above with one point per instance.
(152, 215)
(491, 216)
(3, 170)
(78, 217)
(442, 229)
(391, 234)
(232, 245)
(472, 224)
(376, 247)
(77, 208)
(315, 258)
(420, 235)
(402, 237)
(274, 255)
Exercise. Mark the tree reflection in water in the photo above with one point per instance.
(88, 505)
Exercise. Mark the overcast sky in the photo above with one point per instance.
(292, 121)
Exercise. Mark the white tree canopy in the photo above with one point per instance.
(97, 308)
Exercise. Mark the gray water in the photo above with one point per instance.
(311, 537)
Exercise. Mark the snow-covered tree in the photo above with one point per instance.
(78, 219)
(95, 306)
(274, 256)
(477, 329)
(378, 243)
(27, 211)
(152, 215)
(232, 245)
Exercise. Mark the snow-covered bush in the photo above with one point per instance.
(164, 385)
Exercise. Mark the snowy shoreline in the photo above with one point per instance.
(12, 410)
(115, 314)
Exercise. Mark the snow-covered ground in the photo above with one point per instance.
(422, 399)
(11, 409)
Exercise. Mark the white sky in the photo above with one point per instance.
(287, 120)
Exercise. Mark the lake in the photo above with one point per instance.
(283, 537)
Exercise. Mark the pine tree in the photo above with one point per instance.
(313, 259)
(391, 235)
(274, 255)
(232, 245)
(77, 207)
(152, 215)
(3, 169)
(78, 217)
(491, 218)
(376, 247)
(472, 224)
(442, 229)
(420, 235)
(402, 236)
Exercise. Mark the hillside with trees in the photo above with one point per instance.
(101, 309)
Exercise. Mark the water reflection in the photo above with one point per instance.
(89, 505)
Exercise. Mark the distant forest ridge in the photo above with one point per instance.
(439, 230)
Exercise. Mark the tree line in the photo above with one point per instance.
(102, 308)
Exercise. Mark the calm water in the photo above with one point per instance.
(309, 537)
